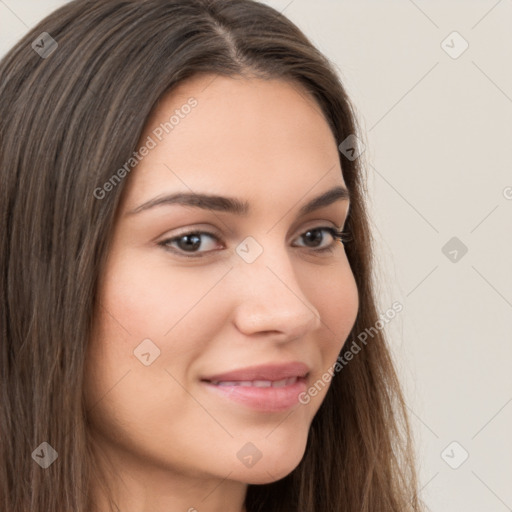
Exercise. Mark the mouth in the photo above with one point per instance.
(262, 373)
(257, 383)
(265, 388)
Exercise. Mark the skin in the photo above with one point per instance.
(171, 442)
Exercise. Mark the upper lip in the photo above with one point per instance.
(272, 372)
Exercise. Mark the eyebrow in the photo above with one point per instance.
(234, 205)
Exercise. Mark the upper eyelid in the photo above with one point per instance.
(217, 233)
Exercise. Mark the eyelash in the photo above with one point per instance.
(342, 236)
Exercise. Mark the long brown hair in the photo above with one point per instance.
(71, 112)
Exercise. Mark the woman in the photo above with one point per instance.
(187, 271)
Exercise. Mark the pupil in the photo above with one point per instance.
(195, 239)
(318, 236)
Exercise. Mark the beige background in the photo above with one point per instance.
(438, 136)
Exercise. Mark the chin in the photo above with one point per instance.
(270, 470)
(263, 477)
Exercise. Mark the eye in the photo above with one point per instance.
(190, 242)
(314, 235)
(187, 242)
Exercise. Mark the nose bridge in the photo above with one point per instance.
(271, 295)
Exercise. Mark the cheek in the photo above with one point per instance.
(334, 293)
(152, 298)
(159, 309)
(151, 313)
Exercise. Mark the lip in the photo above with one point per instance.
(263, 399)
(272, 372)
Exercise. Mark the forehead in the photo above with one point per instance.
(245, 135)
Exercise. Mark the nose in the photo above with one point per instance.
(270, 298)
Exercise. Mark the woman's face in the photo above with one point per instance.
(249, 289)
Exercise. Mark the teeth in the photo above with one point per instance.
(262, 383)
(257, 383)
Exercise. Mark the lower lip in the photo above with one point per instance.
(267, 399)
